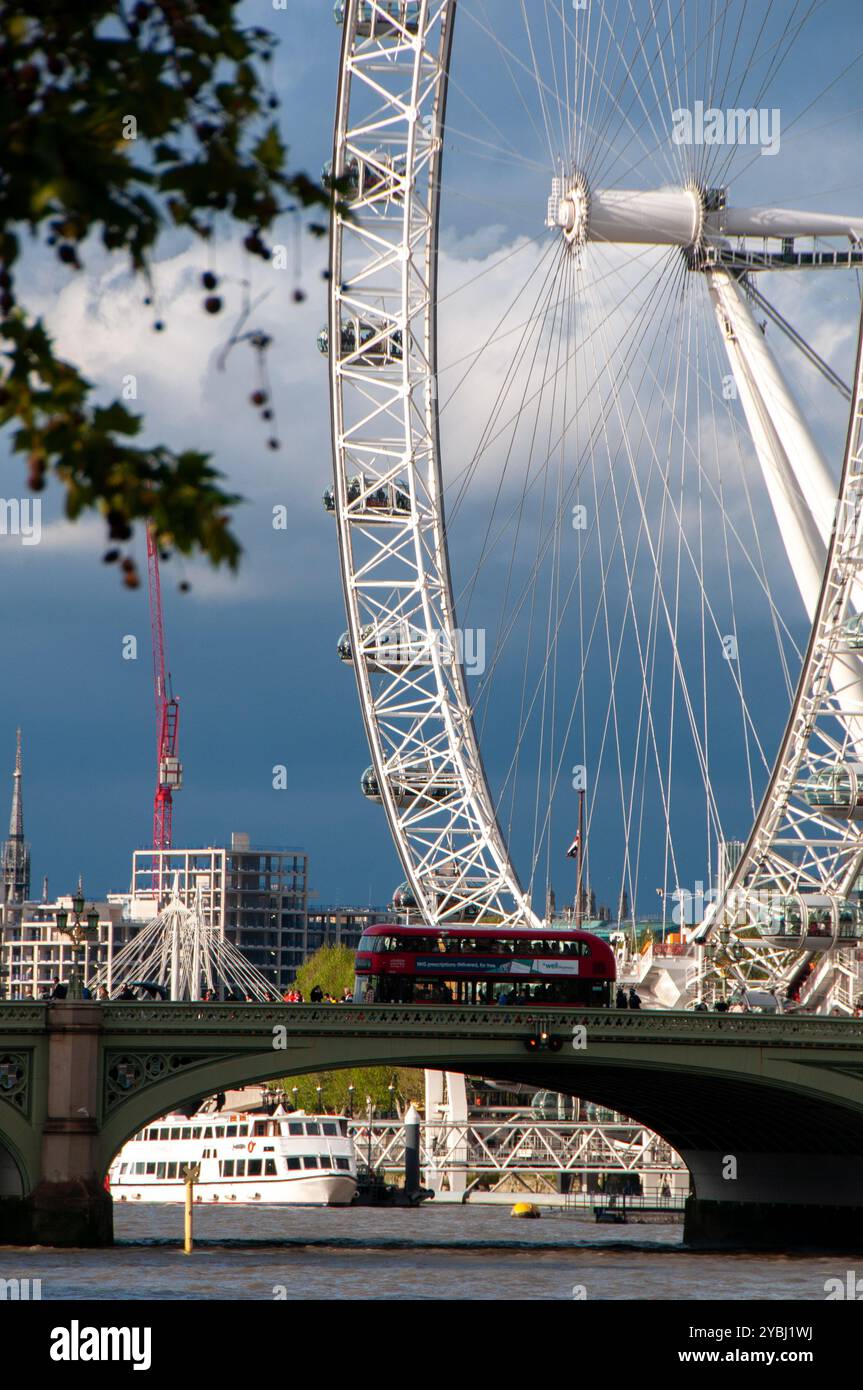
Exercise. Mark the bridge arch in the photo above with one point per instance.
(12, 1180)
(19, 1153)
(783, 1096)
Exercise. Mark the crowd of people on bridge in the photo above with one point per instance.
(317, 995)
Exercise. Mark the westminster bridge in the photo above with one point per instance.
(765, 1110)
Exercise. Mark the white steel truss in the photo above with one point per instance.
(388, 498)
(500, 1150)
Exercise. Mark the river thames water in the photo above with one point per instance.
(452, 1252)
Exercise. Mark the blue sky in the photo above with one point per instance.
(253, 659)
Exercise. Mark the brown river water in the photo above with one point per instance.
(449, 1252)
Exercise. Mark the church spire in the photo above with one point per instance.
(16, 853)
(16, 820)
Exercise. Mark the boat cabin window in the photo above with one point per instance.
(343, 1163)
(313, 1129)
(255, 1167)
(262, 1127)
(151, 1169)
(227, 1168)
(270, 1168)
(311, 1161)
(164, 1134)
(231, 1131)
(186, 1132)
(175, 1133)
(295, 1128)
(161, 1169)
(208, 1132)
(241, 1167)
(329, 1127)
(293, 1161)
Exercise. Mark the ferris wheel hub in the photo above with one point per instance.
(661, 217)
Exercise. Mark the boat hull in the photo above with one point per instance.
(336, 1191)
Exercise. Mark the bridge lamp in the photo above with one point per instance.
(318, 1090)
(79, 933)
(294, 1093)
(351, 1102)
(392, 1090)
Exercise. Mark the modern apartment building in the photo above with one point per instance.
(343, 926)
(33, 953)
(256, 895)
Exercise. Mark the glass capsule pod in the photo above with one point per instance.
(370, 786)
(373, 345)
(852, 632)
(390, 648)
(389, 501)
(409, 784)
(366, 177)
(374, 22)
(807, 921)
(404, 898)
(836, 790)
(352, 176)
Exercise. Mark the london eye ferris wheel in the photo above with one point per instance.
(597, 487)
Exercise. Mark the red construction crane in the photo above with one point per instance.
(169, 770)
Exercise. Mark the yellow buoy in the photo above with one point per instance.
(524, 1209)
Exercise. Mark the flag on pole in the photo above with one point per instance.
(575, 848)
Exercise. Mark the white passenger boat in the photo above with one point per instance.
(266, 1154)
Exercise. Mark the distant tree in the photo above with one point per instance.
(408, 1084)
(118, 121)
(331, 967)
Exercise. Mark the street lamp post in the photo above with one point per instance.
(79, 933)
(350, 1102)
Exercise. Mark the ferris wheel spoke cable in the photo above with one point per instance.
(584, 663)
(531, 578)
(497, 335)
(564, 105)
(617, 116)
(543, 88)
(727, 520)
(515, 539)
(645, 718)
(674, 648)
(464, 598)
(789, 127)
(713, 156)
(467, 472)
(530, 582)
(601, 82)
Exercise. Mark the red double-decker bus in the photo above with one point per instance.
(482, 966)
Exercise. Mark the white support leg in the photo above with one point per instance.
(798, 482)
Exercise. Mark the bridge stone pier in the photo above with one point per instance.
(766, 1111)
